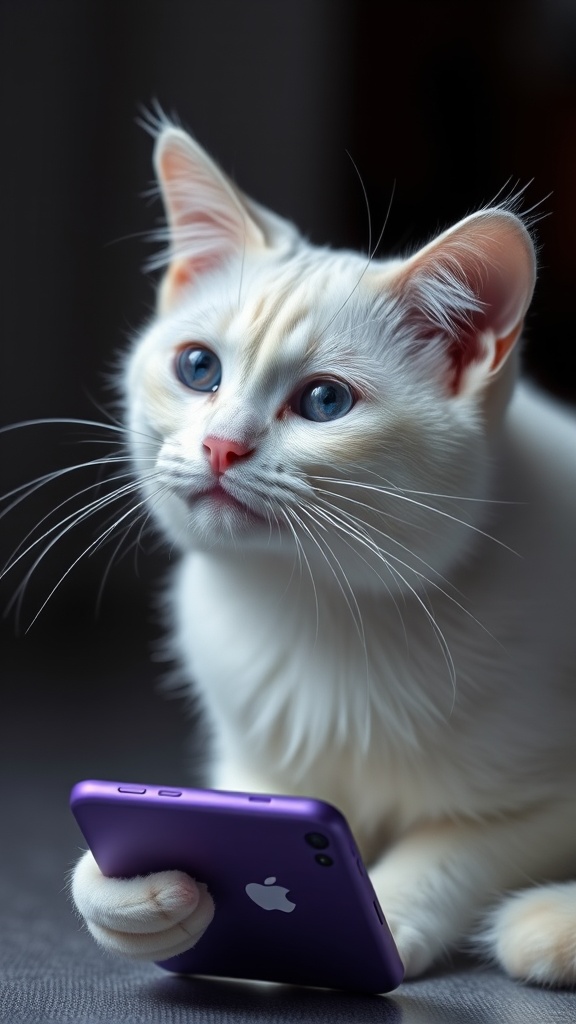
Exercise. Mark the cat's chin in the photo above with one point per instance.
(217, 515)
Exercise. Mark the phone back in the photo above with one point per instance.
(293, 900)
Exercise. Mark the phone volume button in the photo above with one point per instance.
(169, 792)
(134, 790)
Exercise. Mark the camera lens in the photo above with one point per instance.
(324, 860)
(317, 840)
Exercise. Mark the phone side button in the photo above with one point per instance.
(138, 790)
(169, 792)
(379, 913)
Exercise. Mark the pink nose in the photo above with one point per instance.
(223, 453)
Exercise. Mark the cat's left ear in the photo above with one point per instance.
(467, 292)
(209, 220)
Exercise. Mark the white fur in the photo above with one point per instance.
(392, 628)
(143, 918)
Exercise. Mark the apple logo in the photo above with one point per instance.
(270, 896)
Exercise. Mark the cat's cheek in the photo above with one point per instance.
(339, 442)
(154, 396)
(164, 404)
(169, 515)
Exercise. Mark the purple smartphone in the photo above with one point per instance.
(293, 900)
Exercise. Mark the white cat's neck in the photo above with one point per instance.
(308, 666)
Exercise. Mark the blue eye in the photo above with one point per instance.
(325, 400)
(198, 368)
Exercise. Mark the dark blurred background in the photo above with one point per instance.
(444, 102)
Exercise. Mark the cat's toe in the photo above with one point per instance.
(150, 903)
(150, 917)
(533, 936)
(158, 945)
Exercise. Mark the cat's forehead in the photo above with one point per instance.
(305, 310)
(279, 316)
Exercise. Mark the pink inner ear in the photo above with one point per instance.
(463, 351)
(472, 286)
(207, 218)
(467, 344)
(462, 346)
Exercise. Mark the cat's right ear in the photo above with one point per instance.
(208, 221)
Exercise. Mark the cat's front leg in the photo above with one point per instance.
(151, 917)
(435, 882)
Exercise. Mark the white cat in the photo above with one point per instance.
(375, 599)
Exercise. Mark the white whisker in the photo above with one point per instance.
(82, 513)
(353, 608)
(371, 252)
(286, 510)
(99, 540)
(429, 494)
(443, 643)
(401, 496)
(374, 529)
(69, 420)
(25, 491)
(354, 611)
(136, 544)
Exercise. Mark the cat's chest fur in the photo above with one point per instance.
(298, 705)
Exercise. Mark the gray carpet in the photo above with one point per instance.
(90, 708)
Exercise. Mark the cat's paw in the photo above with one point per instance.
(150, 917)
(415, 950)
(533, 935)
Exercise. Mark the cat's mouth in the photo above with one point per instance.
(221, 499)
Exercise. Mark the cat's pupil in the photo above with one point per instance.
(198, 368)
(322, 401)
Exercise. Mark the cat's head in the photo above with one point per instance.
(293, 398)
